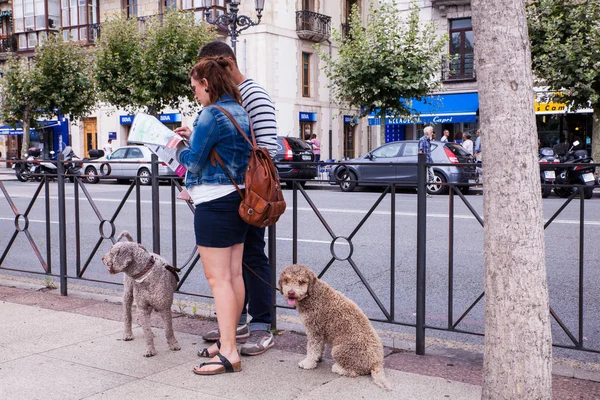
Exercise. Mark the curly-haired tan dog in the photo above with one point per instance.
(330, 317)
(148, 279)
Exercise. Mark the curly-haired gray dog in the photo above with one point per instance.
(148, 279)
(330, 317)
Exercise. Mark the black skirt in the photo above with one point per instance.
(218, 224)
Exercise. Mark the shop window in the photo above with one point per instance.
(461, 49)
(305, 74)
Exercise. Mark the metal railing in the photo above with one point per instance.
(313, 26)
(386, 301)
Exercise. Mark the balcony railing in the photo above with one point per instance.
(457, 68)
(8, 44)
(313, 26)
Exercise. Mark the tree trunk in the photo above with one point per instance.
(382, 127)
(26, 135)
(518, 343)
(596, 136)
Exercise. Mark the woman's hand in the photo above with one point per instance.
(184, 132)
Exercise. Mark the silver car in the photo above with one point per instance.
(374, 169)
(138, 166)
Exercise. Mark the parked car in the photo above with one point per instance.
(374, 168)
(294, 149)
(139, 156)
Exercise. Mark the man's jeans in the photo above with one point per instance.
(259, 296)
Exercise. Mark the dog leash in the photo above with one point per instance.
(260, 277)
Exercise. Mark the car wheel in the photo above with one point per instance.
(347, 181)
(145, 177)
(588, 192)
(436, 187)
(92, 175)
(546, 190)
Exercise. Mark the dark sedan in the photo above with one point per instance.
(374, 169)
(294, 149)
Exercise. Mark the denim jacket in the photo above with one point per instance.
(213, 129)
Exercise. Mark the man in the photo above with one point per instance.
(259, 296)
(425, 148)
(445, 136)
(108, 147)
(477, 147)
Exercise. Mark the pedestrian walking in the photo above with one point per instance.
(108, 147)
(425, 148)
(477, 146)
(316, 146)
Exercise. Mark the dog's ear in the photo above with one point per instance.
(125, 235)
(279, 285)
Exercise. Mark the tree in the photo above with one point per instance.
(518, 343)
(58, 80)
(148, 69)
(565, 40)
(388, 60)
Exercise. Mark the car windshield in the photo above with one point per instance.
(297, 144)
(457, 149)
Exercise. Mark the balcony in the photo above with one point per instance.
(313, 26)
(8, 45)
(458, 69)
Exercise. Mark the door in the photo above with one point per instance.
(377, 167)
(117, 155)
(134, 154)
(90, 135)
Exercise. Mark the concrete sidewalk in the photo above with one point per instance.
(54, 347)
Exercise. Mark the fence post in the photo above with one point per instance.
(273, 263)
(421, 250)
(155, 205)
(62, 224)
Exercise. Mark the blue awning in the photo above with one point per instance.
(438, 109)
(18, 130)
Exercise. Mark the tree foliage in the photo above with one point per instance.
(146, 66)
(565, 42)
(389, 59)
(57, 80)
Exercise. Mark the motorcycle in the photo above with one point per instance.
(548, 161)
(574, 170)
(25, 170)
(34, 169)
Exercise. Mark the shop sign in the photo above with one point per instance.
(169, 118)
(308, 116)
(126, 119)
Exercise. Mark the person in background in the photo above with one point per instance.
(477, 147)
(316, 145)
(458, 137)
(108, 147)
(445, 136)
(425, 148)
(467, 144)
(259, 297)
(220, 231)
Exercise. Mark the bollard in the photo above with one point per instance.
(421, 250)
(273, 263)
(155, 205)
(62, 224)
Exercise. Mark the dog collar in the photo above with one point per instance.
(147, 268)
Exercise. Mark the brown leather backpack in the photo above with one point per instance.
(263, 203)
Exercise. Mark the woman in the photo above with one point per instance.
(316, 145)
(467, 144)
(220, 232)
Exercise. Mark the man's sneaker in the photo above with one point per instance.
(241, 332)
(257, 343)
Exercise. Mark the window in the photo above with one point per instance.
(308, 5)
(77, 15)
(168, 5)
(118, 153)
(305, 74)
(346, 21)
(131, 8)
(388, 151)
(461, 48)
(349, 141)
(135, 153)
(412, 149)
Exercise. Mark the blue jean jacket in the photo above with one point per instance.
(213, 129)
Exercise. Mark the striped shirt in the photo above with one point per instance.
(259, 106)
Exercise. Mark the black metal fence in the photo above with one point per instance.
(581, 331)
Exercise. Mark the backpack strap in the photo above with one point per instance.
(215, 156)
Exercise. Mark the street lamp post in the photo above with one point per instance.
(231, 21)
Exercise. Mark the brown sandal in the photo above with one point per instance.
(226, 366)
(204, 352)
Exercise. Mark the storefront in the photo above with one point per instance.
(307, 124)
(558, 123)
(47, 135)
(455, 112)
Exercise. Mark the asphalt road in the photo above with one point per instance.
(370, 249)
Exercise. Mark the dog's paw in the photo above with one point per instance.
(127, 336)
(174, 346)
(307, 364)
(150, 353)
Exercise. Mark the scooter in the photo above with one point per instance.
(26, 170)
(548, 161)
(574, 170)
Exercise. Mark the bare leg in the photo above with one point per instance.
(127, 305)
(218, 270)
(144, 316)
(237, 279)
(314, 351)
